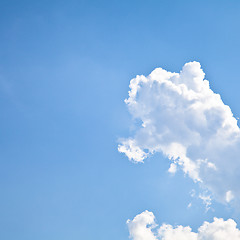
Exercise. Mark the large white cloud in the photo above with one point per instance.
(189, 123)
(143, 227)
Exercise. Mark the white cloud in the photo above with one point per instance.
(140, 228)
(132, 151)
(186, 121)
(144, 227)
(229, 196)
(207, 200)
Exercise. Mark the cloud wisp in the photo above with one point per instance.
(144, 227)
(182, 118)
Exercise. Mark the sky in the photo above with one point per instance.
(65, 70)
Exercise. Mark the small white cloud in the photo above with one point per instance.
(133, 152)
(143, 227)
(207, 200)
(212, 165)
(173, 168)
(140, 228)
(187, 122)
(189, 205)
(229, 196)
(193, 193)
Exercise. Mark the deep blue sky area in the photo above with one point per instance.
(65, 68)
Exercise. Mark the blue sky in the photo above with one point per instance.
(65, 69)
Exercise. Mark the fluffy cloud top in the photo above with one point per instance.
(189, 123)
(143, 227)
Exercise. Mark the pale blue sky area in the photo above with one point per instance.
(65, 68)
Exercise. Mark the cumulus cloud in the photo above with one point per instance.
(185, 120)
(140, 228)
(144, 227)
